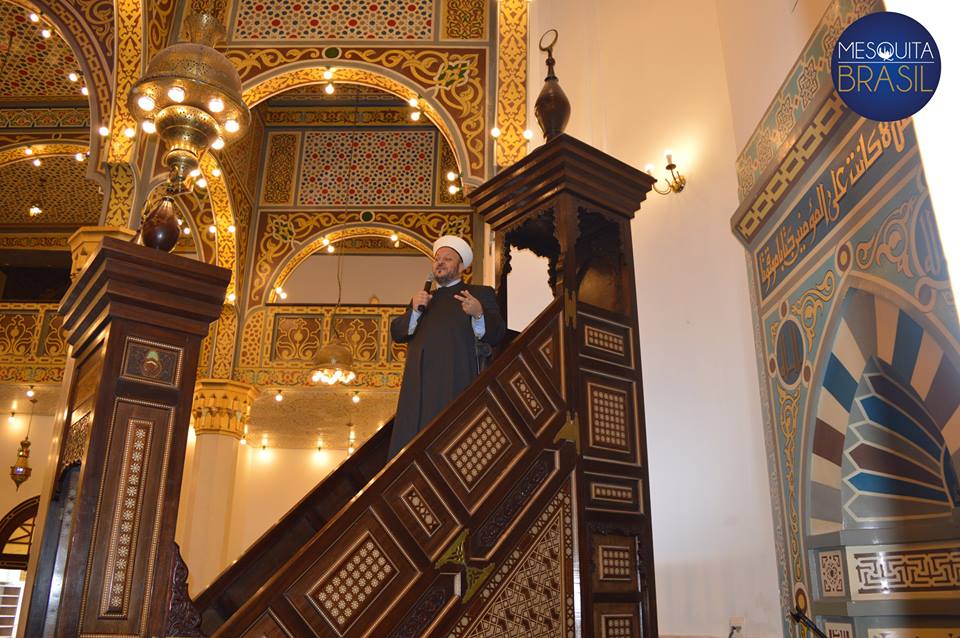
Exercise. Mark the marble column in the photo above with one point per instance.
(220, 411)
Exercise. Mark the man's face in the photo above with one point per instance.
(447, 265)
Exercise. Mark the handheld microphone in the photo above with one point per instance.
(427, 285)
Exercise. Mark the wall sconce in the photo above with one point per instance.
(675, 183)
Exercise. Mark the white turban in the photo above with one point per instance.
(457, 244)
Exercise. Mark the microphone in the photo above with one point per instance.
(427, 285)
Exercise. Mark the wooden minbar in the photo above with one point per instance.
(108, 565)
(572, 204)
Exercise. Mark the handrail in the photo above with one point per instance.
(801, 618)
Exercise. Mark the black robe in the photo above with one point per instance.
(441, 357)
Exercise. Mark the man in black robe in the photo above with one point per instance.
(443, 349)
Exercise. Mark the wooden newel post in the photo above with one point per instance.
(134, 320)
(572, 204)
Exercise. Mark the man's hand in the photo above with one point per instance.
(469, 304)
(420, 298)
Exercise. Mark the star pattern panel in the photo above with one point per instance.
(333, 20)
(34, 69)
(390, 168)
(66, 197)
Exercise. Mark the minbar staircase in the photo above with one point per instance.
(521, 510)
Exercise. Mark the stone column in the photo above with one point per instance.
(86, 242)
(220, 411)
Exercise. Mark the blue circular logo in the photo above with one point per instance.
(885, 66)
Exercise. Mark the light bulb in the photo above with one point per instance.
(103, 131)
(28, 151)
(30, 392)
(146, 103)
(217, 144)
(453, 188)
(232, 296)
(330, 248)
(215, 104)
(34, 17)
(495, 132)
(35, 211)
(283, 295)
(415, 116)
(232, 126)
(195, 172)
(328, 74)
(648, 169)
(528, 134)
(243, 440)
(186, 231)
(394, 237)
(129, 132)
(73, 76)
(668, 154)
(177, 94)
(350, 451)
(37, 162)
(413, 102)
(451, 176)
(202, 183)
(325, 242)
(231, 228)
(212, 229)
(179, 222)
(396, 244)
(216, 172)
(84, 90)
(278, 397)
(278, 289)
(46, 33)
(148, 127)
(12, 418)
(356, 397)
(78, 157)
(328, 89)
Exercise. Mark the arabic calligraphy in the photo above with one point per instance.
(822, 208)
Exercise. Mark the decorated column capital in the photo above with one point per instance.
(86, 242)
(222, 406)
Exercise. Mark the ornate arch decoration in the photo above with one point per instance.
(53, 148)
(463, 132)
(16, 533)
(885, 412)
(337, 233)
(87, 28)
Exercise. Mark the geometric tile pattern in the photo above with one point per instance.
(531, 601)
(66, 197)
(419, 508)
(390, 168)
(604, 340)
(904, 573)
(34, 67)
(608, 417)
(519, 383)
(280, 169)
(337, 20)
(354, 583)
(616, 626)
(126, 519)
(478, 449)
(615, 563)
(831, 573)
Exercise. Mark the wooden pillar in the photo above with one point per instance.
(134, 320)
(572, 204)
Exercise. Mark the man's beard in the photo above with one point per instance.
(443, 280)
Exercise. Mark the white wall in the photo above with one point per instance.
(393, 279)
(41, 431)
(643, 76)
(270, 482)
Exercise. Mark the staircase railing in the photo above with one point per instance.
(461, 501)
(241, 580)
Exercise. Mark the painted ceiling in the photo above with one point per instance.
(58, 186)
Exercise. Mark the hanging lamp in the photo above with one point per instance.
(20, 471)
